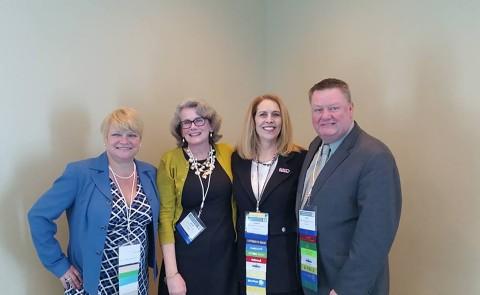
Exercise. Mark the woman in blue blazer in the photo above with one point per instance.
(266, 167)
(111, 203)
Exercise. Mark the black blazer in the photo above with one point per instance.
(279, 201)
(358, 201)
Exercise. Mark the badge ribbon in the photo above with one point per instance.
(256, 236)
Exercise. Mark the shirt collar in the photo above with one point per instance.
(334, 145)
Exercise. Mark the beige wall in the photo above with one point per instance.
(65, 64)
(412, 69)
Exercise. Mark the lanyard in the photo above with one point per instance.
(267, 178)
(200, 172)
(204, 192)
(313, 178)
(134, 175)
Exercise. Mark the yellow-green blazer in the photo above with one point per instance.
(171, 176)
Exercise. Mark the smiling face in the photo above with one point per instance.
(122, 144)
(268, 121)
(332, 114)
(194, 135)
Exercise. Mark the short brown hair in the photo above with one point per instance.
(204, 110)
(331, 83)
(248, 144)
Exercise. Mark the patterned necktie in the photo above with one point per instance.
(324, 153)
(323, 158)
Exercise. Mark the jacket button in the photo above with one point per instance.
(284, 229)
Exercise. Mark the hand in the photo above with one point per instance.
(176, 285)
(72, 278)
(332, 292)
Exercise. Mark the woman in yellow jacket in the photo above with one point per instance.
(197, 212)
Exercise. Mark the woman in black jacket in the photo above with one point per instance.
(266, 167)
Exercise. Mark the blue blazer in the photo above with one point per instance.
(83, 191)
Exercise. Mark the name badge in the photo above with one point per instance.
(307, 221)
(128, 269)
(256, 236)
(256, 223)
(190, 227)
(308, 249)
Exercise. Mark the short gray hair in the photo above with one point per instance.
(204, 110)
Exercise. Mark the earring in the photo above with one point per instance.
(211, 134)
(183, 140)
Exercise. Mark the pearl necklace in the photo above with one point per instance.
(124, 177)
(202, 169)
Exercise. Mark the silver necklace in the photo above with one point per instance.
(269, 164)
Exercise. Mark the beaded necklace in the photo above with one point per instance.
(202, 169)
(205, 169)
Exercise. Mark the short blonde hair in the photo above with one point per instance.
(247, 147)
(204, 110)
(124, 118)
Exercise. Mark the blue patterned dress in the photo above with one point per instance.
(118, 235)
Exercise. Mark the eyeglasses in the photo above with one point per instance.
(200, 121)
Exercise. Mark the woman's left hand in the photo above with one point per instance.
(71, 277)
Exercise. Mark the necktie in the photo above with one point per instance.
(323, 158)
(312, 176)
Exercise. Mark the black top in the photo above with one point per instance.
(207, 264)
(278, 199)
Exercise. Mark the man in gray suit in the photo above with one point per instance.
(350, 189)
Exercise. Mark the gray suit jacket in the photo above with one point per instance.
(358, 200)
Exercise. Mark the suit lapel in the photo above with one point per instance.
(279, 175)
(147, 181)
(99, 171)
(337, 158)
(244, 177)
(332, 164)
(312, 150)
